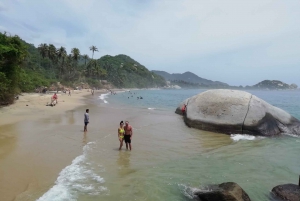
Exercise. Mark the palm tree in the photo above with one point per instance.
(75, 54)
(61, 52)
(69, 65)
(52, 53)
(90, 67)
(61, 55)
(99, 72)
(85, 57)
(43, 49)
(93, 49)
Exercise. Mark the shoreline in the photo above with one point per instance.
(31, 155)
(33, 105)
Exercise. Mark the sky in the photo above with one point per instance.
(233, 41)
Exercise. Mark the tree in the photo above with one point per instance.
(98, 71)
(52, 53)
(85, 57)
(93, 49)
(89, 67)
(69, 66)
(43, 49)
(75, 54)
(12, 55)
(61, 55)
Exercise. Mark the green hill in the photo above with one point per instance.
(123, 71)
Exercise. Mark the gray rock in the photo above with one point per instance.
(237, 112)
(224, 192)
(290, 192)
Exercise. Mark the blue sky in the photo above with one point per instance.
(233, 41)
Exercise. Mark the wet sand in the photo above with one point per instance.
(32, 150)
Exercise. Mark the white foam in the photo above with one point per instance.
(238, 137)
(151, 108)
(188, 191)
(292, 135)
(103, 97)
(75, 178)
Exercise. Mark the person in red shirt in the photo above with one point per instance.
(183, 109)
(54, 98)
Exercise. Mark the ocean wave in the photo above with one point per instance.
(292, 135)
(189, 191)
(104, 97)
(150, 108)
(76, 178)
(238, 137)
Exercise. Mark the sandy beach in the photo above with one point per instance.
(31, 154)
(33, 105)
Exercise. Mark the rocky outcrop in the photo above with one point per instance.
(290, 192)
(237, 112)
(224, 192)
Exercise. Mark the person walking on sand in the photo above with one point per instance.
(128, 135)
(86, 120)
(121, 132)
(69, 92)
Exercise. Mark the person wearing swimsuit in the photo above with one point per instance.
(121, 133)
(128, 135)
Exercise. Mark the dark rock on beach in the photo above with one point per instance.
(237, 112)
(290, 192)
(229, 191)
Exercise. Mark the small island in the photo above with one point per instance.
(273, 85)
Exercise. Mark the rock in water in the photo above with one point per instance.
(237, 112)
(229, 191)
(290, 192)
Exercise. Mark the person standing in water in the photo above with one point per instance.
(128, 135)
(121, 133)
(86, 120)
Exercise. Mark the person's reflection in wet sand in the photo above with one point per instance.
(71, 119)
(124, 163)
(84, 139)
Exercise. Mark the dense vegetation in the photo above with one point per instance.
(23, 68)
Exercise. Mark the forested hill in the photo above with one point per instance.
(124, 71)
(24, 67)
(190, 78)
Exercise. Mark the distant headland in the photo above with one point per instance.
(191, 80)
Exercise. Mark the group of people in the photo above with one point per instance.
(124, 132)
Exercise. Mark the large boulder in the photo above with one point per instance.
(237, 112)
(224, 192)
(290, 192)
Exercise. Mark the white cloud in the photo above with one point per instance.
(168, 34)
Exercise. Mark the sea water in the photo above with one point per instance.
(169, 161)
